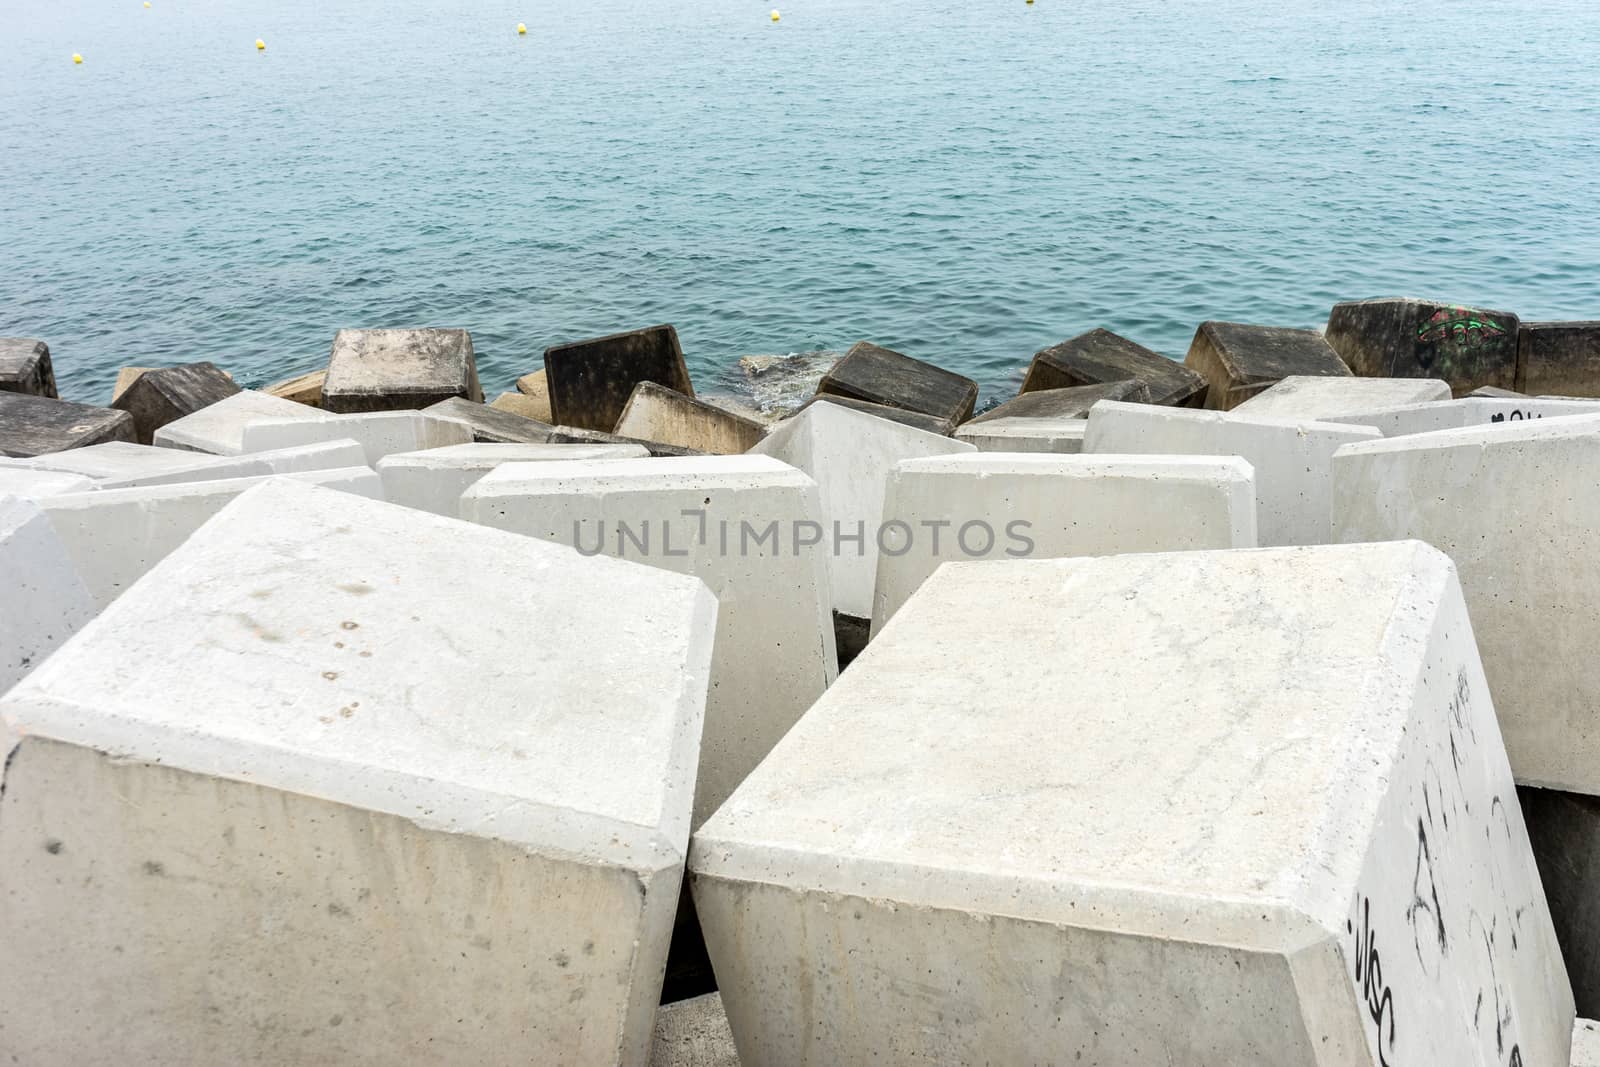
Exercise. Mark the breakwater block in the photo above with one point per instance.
(491, 425)
(30, 484)
(750, 528)
(655, 413)
(1292, 458)
(25, 367)
(1564, 829)
(536, 387)
(1101, 357)
(915, 419)
(126, 377)
(1025, 435)
(1559, 357)
(1072, 402)
(1467, 411)
(302, 388)
(1585, 1043)
(458, 840)
(399, 370)
(573, 435)
(1514, 505)
(850, 453)
(1026, 854)
(1311, 397)
(522, 404)
(1403, 337)
(166, 394)
(1494, 392)
(219, 428)
(959, 508)
(45, 601)
(434, 479)
(694, 1033)
(378, 433)
(589, 382)
(1239, 360)
(120, 464)
(38, 425)
(883, 376)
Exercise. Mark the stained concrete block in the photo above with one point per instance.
(44, 599)
(219, 428)
(399, 370)
(120, 465)
(589, 382)
(1292, 458)
(1239, 360)
(536, 388)
(1559, 357)
(961, 508)
(749, 527)
(1515, 506)
(1073, 402)
(1467, 411)
(302, 388)
(1196, 808)
(655, 413)
(31, 484)
(1025, 435)
(850, 454)
(36, 425)
(1323, 398)
(166, 394)
(126, 376)
(521, 404)
(491, 425)
(883, 376)
(1100, 357)
(295, 775)
(1403, 337)
(1564, 829)
(25, 367)
(695, 1033)
(379, 433)
(434, 479)
(1495, 392)
(944, 426)
(573, 435)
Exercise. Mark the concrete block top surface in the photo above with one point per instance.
(219, 428)
(32, 484)
(490, 424)
(1507, 432)
(37, 425)
(488, 455)
(1404, 337)
(656, 413)
(394, 369)
(1466, 411)
(1041, 434)
(379, 433)
(1100, 356)
(25, 367)
(119, 463)
(667, 475)
(883, 376)
(1321, 397)
(589, 381)
(919, 420)
(372, 655)
(1239, 360)
(1072, 402)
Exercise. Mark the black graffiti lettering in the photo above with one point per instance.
(1425, 899)
(1369, 977)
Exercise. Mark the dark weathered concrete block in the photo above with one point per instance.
(1564, 830)
(883, 376)
(166, 394)
(656, 413)
(1100, 357)
(37, 425)
(399, 370)
(1402, 337)
(25, 367)
(577, 435)
(590, 381)
(928, 423)
(1070, 403)
(492, 424)
(1238, 360)
(1559, 358)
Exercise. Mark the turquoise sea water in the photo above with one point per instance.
(964, 180)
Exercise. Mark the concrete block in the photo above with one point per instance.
(1467, 411)
(1515, 506)
(120, 464)
(1197, 808)
(37, 484)
(695, 1033)
(399, 370)
(961, 508)
(850, 454)
(1073, 402)
(44, 600)
(379, 433)
(884, 376)
(302, 388)
(125, 377)
(573, 435)
(1323, 398)
(297, 776)
(434, 479)
(491, 425)
(1559, 357)
(528, 407)
(536, 387)
(1403, 337)
(1292, 459)
(36, 425)
(219, 428)
(1025, 435)
(655, 413)
(1100, 357)
(1238, 360)
(1495, 392)
(1564, 830)
(590, 381)
(750, 528)
(166, 394)
(915, 419)
(25, 367)
(1586, 1043)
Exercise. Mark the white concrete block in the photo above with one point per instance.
(38, 484)
(321, 456)
(123, 464)
(850, 454)
(1291, 458)
(1318, 397)
(1024, 434)
(749, 527)
(42, 600)
(310, 794)
(115, 535)
(219, 428)
(1516, 506)
(434, 479)
(1468, 411)
(380, 433)
(1196, 808)
(1585, 1043)
(996, 506)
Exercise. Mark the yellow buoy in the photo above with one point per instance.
(521, 28)
(76, 58)
(261, 46)
(774, 14)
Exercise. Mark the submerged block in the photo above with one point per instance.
(1322, 398)
(1025, 435)
(302, 388)
(1403, 337)
(850, 454)
(1239, 360)
(358, 792)
(37, 426)
(219, 428)
(1467, 411)
(884, 376)
(379, 433)
(25, 367)
(655, 413)
(167, 394)
(399, 370)
(1292, 459)
(1100, 357)
(1197, 808)
(590, 381)
(434, 479)
(750, 528)
(1564, 829)
(1559, 357)
(915, 419)
(44, 599)
(1073, 402)
(491, 425)
(1515, 506)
